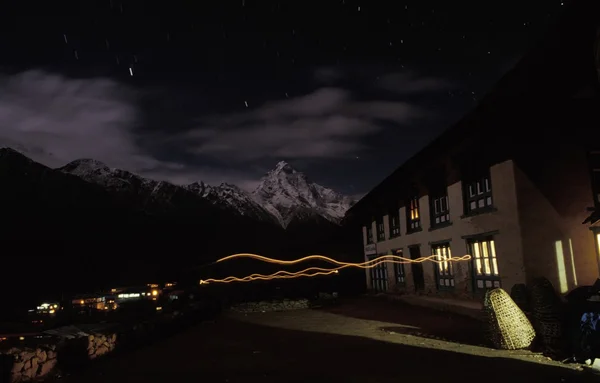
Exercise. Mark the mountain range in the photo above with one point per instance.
(86, 200)
(283, 195)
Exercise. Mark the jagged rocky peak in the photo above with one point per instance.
(84, 166)
(286, 192)
(199, 188)
(283, 166)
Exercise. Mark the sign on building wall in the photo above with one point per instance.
(371, 249)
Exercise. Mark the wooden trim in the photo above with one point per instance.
(433, 243)
(486, 234)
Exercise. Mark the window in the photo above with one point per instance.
(394, 221)
(485, 265)
(380, 230)
(478, 195)
(443, 267)
(379, 281)
(399, 269)
(440, 209)
(369, 235)
(413, 216)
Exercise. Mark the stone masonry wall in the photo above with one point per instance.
(100, 344)
(31, 363)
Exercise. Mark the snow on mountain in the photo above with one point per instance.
(284, 194)
(289, 194)
(231, 197)
(117, 180)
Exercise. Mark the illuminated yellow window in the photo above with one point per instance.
(444, 270)
(413, 214)
(485, 263)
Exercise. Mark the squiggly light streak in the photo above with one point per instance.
(315, 271)
(331, 260)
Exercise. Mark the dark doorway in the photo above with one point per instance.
(417, 268)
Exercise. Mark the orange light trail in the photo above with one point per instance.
(316, 271)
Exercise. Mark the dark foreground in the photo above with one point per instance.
(335, 345)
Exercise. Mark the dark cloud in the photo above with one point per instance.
(327, 123)
(56, 119)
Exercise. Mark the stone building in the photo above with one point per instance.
(511, 184)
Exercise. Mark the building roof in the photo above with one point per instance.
(593, 218)
(559, 67)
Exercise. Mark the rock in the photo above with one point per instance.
(29, 373)
(90, 338)
(34, 364)
(26, 355)
(47, 367)
(41, 355)
(91, 351)
(101, 350)
(51, 354)
(18, 367)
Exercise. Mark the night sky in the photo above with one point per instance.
(220, 91)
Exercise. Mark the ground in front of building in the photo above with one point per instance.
(360, 340)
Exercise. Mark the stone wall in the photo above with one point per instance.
(30, 363)
(100, 344)
(265, 306)
(70, 348)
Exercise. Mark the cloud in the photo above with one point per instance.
(328, 123)
(410, 83)
(55, 119)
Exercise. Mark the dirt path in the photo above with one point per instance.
(319, 346)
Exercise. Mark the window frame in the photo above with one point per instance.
(444, 272)
(370, 237)
(437, 213)
(379, 275)
(394, 229)
(380, 228)
(475, 190)
(413, 224)
(399, 270)
(476, 248)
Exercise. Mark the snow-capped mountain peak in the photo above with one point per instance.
(288, 193)
(231, 197)
(284, 194)
(283, 166)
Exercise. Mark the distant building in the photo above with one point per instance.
(510, 184)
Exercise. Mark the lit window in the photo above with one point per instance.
(413, 216)
(443, 267)
(485, 264)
